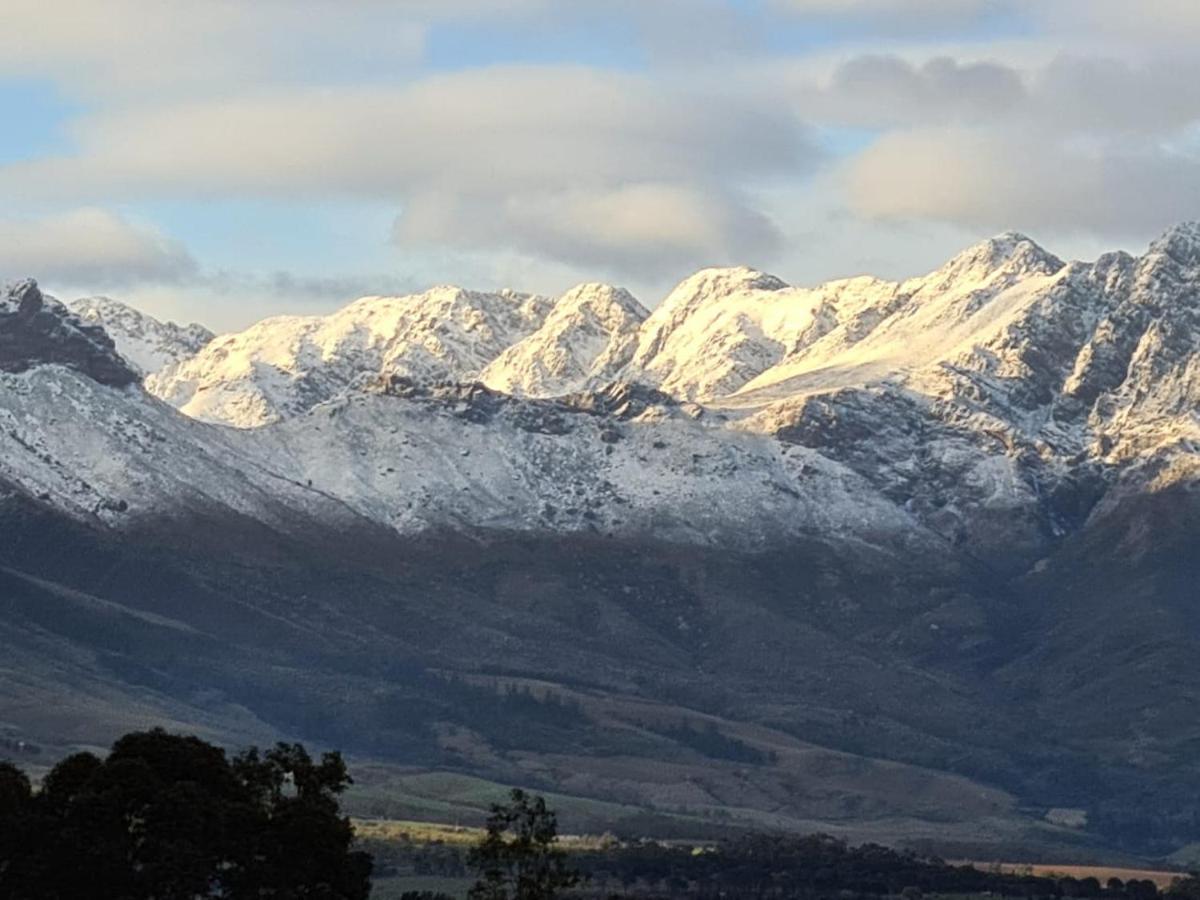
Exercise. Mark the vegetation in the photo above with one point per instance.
(517, 858)
(712, 743)
(166, 817)
(173, 818)
(818, 867)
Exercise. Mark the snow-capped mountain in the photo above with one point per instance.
(288, 364)
(144, 341)
(939, 510)
(987, 400)
(586, 340)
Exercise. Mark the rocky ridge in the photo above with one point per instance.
(37, 330)
(992, 400)
(144, 341)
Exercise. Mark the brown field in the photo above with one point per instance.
(1161, 878)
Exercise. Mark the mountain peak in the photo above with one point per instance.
(1009, 251)
(1180, 242)
(588, 336)
(719, 281)
(38, 330)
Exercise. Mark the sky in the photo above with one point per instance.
(227, 160)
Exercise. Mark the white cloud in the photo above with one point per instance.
(627, 174)
(90, 246)
(999, 180)
(640, 229)
(898, 16)
(576, 159)
(146, 48)
(877, 90)
(1158, 23)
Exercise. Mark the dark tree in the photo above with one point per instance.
(168, 817)
(1185, 888)
(518, 859)
(16, 811)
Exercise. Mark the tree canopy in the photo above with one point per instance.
(165, 816)
(517, 858)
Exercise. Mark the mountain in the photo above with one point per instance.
(586, 339)
(37, 330)
(289, 364)
(915, 556)
(142, 340)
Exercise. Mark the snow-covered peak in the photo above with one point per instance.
(14, 294)
(1010, 254)
(706, 287)
(1180, 242)
(146, 342)
(586, 339)
(602, 299)
(286, 365)
(714, 331)
(37, 330)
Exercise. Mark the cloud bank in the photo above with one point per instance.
(628, 139)
(90, 246)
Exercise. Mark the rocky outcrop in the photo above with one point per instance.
(38, 330)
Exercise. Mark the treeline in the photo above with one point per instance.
(166, 816)
(709, 741)
(400, 723)
(818, 867)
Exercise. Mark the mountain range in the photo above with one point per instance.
(913, 561)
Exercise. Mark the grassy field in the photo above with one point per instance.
(453, 835)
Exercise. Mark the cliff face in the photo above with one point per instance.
(38, 330)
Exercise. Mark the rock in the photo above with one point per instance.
(38, 330)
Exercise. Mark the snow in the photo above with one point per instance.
(947, 407)
(147, 343)
(588, 337)
(286, 365)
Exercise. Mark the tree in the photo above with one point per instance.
(1187, 888)
(517, 858)
(166, 817)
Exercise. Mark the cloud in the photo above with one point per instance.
(886, 90)
(1068, 94)
(171, 47)
(570, 156)
(301, 288)
(90, 246)
(1083, 144)
(1148, 24)
(137, 49)
(642, 229)
(899, 16)
(998, 180)
(1162, 23)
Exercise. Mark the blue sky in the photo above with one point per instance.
(233, 159)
